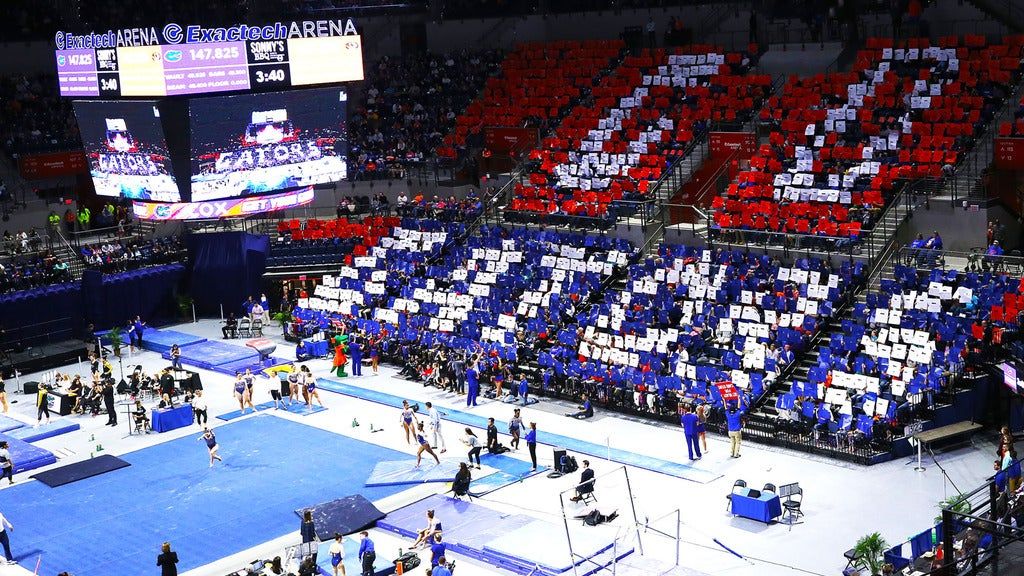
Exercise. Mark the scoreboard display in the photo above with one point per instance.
(208, 67)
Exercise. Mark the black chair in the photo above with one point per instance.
(769, 487)
(793, 497)
(728, 497)
(586, 492)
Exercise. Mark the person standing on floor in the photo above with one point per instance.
(239, 392)
(367, 555)
(734, 420)
(472, 385)
(473, 442)
(3, 395)
(42, 405)
(6, 464)
(199, 408)
(138, 326)
(421, 439)
(702, 419)
(515, 426)
(689, 422)
(437, 550)
(211, 444)
(5, 540)
(459, 368)
(356, 352)
(340, 358)
(337, 551)
(531, 443)
(442, 568)
(408, 416)
(311, 391)
(435, 425)
(167, 561)
(108, 402)
(524, 389)
(176, 357)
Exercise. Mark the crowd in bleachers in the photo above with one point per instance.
(899, 351)
(29, 20)
(33, 118)
(612, 148)
(32, 271)
(409, 104)
(118, 256)
(842, 142)
(538, 84)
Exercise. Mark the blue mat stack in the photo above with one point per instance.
(224, 358)
(684, 471)
(513, 542)
(44, 431)
(7, 424)
(26, 456)
(157, 340)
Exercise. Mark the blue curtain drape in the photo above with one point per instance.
(110, 300)
(227, 268)
(42, 315)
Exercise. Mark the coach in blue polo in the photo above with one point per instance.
(734, 420)
(689, 421)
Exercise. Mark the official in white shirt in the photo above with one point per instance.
(5, 541)
(435, 423)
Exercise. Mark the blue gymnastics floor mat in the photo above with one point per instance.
(676, 469)
(210, 353)
(7, 424)
(272, 466)
(54, 428)
(404, 472)
(509, 471)
(295, 408)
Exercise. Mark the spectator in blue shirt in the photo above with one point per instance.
(935, 242)
(1013, 472)
(524, 389)
(531, 443)
(734, 419)
(303, 352)
(366, 553)
(437, 550)
(586, 410)
(689, 421)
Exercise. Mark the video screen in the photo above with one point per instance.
(257, 143)
(127, 150)
(1010, 376)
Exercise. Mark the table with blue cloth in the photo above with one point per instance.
(764, 508)
(318, 348)
(166, 419)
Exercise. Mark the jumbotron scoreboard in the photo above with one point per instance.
(187, 60)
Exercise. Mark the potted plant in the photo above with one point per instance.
(870, 552)
(185, 306)
(958, 504)
(116, 340)
(280, 317)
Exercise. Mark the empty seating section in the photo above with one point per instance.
(313, 242)
(898, 350)
(498, 290)
(842, 142)
(616, 145)
(538, 83)
(691, 319)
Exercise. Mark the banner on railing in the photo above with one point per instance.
(232, 208)
(1009, 153)
(52, 165)
(502, 140)
(725, 143)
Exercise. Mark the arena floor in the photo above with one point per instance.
(842, 501)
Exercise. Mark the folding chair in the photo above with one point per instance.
(728, 497)
(257, 327)
(244, 328)
(793, 497)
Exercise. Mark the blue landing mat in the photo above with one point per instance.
(676, 469)
(210, 353)
(509, 471)
(466, 526)
(7, 424)
(404, 472)
(272, 467)
(296, 408)
(80, 470)
(159, 340)
(54, 428)
(27, 456)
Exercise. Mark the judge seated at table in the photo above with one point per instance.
(303, 351)
(165, 402)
